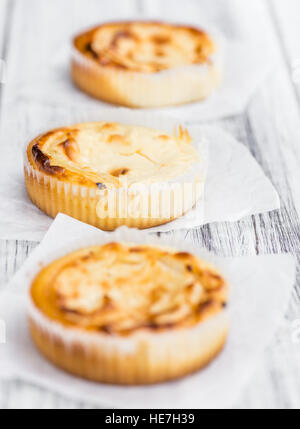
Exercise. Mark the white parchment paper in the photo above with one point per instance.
(260, 290)
(235, 187)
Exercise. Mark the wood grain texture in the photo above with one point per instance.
(269, 128)
(3, 17)
(5, 13)
(286, 20)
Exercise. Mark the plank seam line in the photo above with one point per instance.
(6, 37)
(279, 36)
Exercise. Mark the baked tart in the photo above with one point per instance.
(109, 174)
(146, 64)
(127, 314)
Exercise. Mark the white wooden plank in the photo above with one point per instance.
(47, 28)
(270, 130)
(12, 256)
(4, 18)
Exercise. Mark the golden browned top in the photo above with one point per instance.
(147, 47)
(119, 289)
(104, 153)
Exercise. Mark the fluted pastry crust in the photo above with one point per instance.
(125, 63)
(121, 313)
(66, 168)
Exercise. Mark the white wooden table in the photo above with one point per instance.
(270, 128)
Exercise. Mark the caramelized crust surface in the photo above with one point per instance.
(120, 289)
(104, 153)
(147, 47)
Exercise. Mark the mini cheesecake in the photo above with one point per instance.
(146, 64)
(110, 174)
(129, 314)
